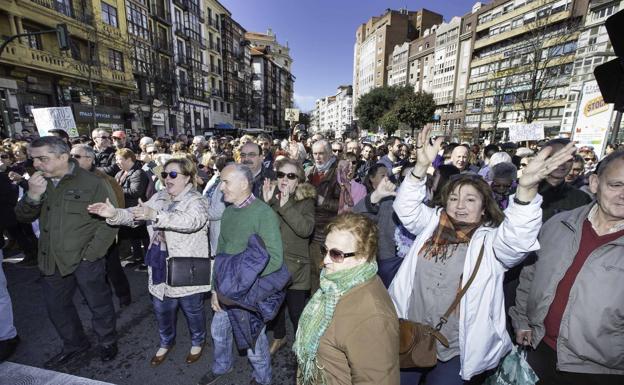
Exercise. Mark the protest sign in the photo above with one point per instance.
(526, 131)
(52, 118)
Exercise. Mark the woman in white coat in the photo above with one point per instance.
(444, 254)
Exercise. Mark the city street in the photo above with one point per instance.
(138, 341)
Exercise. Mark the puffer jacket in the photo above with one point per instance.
(296, 221)
(250, 300)
(483, 338)
(184, 220)
(134, 184)
(591, 337)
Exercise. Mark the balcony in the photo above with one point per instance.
(195, 10)
(163, 46)
(82, 16)
(215, 70)
(216, 92)
(182, 31)
(215, 47)
(183, 61)
(161, 13)
(184, 4)
(213, 23)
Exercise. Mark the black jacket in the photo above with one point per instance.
(105, 161)
(560, 198)
(134, 184)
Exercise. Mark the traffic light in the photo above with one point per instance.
(62, 35)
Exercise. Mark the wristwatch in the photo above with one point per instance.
(518, 201)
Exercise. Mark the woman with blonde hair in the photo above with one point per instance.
(177, 219)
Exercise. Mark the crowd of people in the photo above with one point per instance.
(342, 238)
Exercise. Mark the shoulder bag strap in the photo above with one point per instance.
(461, 293)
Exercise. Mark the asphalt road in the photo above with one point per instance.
(138, 340)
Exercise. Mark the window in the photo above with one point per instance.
(115, 60)
(137, 20)
(109, 14)
(33, 41)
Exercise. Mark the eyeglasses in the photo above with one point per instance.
(337, 256)
(588, 159)
(4, 156)
(76, 156)
(250, 155)
(101, 137)
(336, 150)
(171, 174)
(152, 152)
(290, 175)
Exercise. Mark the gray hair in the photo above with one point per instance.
(325, 144)
(245, 171)
(88, 150)
(201, 137)
(604, 164)
(145, 141)
(499, 157)
(524, 152)
(504, 170)
(56, 145)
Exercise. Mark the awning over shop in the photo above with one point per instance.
(224, 126)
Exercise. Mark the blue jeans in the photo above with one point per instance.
(259, 358)
(166, 314)
(7, 329)
(444, 373)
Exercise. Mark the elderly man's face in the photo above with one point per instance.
(84, 161)
(102, 139)
(609, 190)
(233, 185)
(250, 156)
(459, 157)
(319, 154)
(353, 148)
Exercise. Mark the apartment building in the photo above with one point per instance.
(521, 64)
(375, 41)
(272, 81)
(421, 61)
(593, 49)
(237, 72)
(333, 114)
(94, 77)
(397, 70)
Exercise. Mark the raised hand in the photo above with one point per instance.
(37, 185)
(425, 151)
(544, 163)
(539, 168)
(268, 189)
(384, 189)
(143, 212)
(103, 209)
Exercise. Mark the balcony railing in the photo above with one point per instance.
(161, 12)
(181, 30)
(182, 60)
(214, 46)
(164, 46)
(184, 4)
(66, 9)
(214, 23)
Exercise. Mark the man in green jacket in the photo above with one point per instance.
(72, 245)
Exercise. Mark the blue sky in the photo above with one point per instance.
(321, 34)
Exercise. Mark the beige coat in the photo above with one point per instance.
(361, 344)
(184, 220)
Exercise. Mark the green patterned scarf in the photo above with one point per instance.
(318, 314)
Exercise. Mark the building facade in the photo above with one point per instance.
(397, 70)
(94, 77)
(521, 64)
(333, 115)
(592, 50)
(375, 41)
(237, 72)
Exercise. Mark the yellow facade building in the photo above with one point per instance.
(94, 75)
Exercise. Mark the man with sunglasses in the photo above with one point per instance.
(104, 152)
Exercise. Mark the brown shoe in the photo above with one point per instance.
(277, 345)
(194, 357)
(157, 360)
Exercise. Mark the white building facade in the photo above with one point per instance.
(334, 114)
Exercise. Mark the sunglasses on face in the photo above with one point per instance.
(588, 159)
(336, 150)
(337, 256)
(76, 156)
(152, 152)
(290, 175)
(171, 174)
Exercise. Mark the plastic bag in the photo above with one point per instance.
(513, 370)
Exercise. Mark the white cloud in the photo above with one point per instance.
(305, 102)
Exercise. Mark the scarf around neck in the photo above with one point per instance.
(447, 237)
(318, 314)
(323, 169)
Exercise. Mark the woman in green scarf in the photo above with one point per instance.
(349, 331)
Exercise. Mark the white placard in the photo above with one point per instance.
(52, 118)
(593, 118)
(292, 115)
(526, 131)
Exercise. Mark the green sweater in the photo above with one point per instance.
(237, 225)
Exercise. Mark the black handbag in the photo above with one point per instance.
(188, 271)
